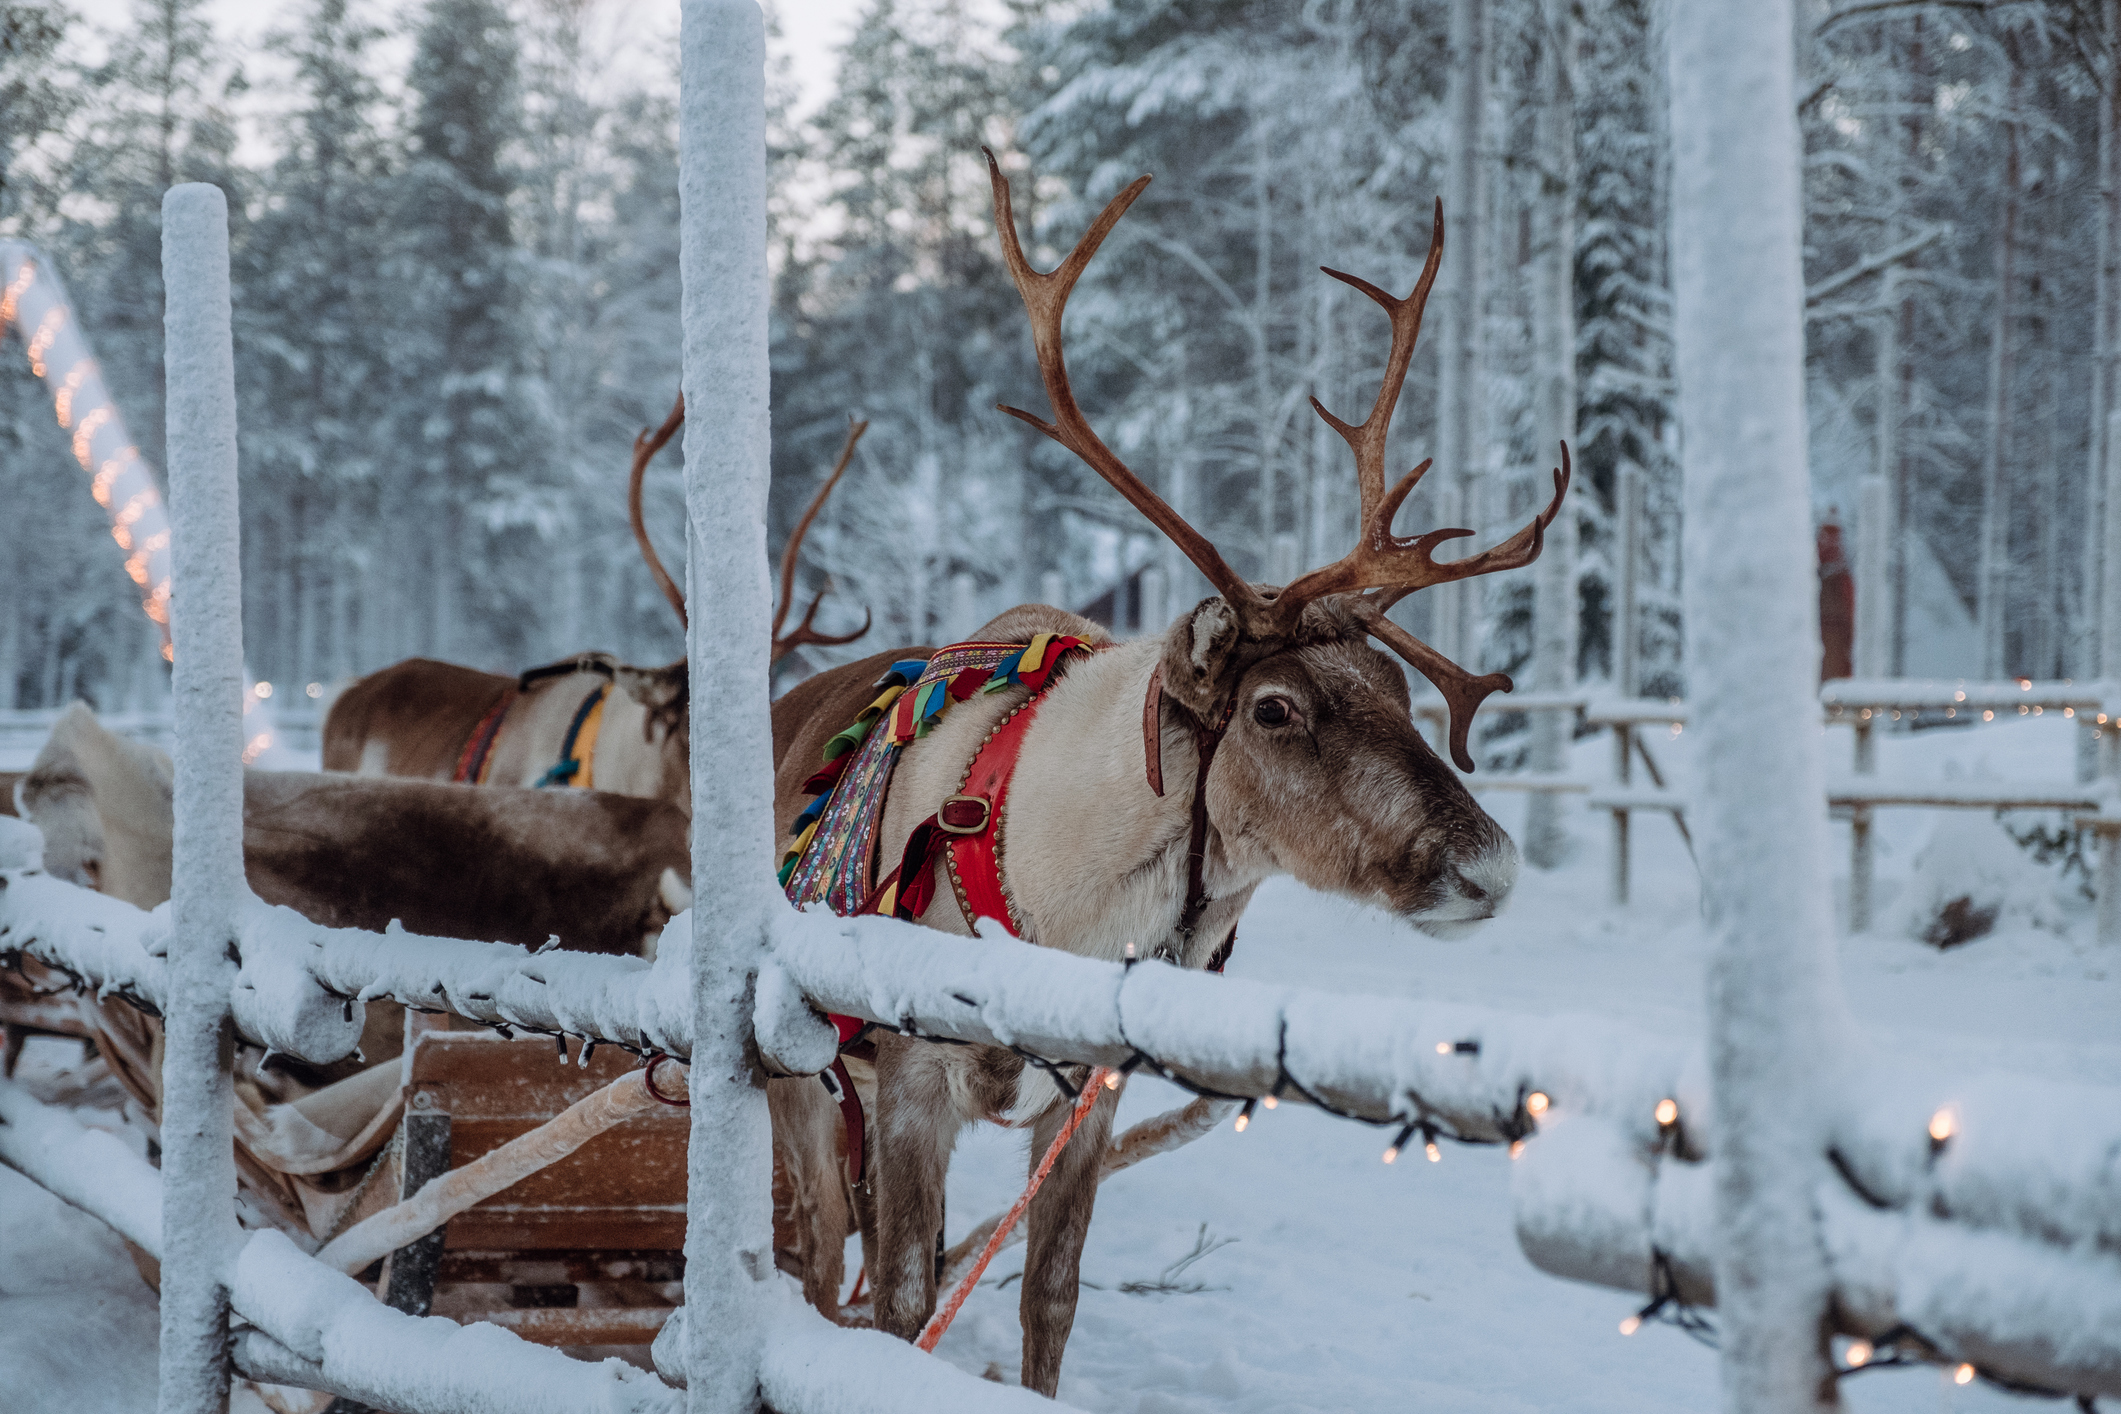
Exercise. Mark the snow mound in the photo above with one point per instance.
(1972, 879)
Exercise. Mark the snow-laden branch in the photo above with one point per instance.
(1591, 1206)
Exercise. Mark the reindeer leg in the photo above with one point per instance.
(1058, 1221)
(916, 1128)
(811, 1217)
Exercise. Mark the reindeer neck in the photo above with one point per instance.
(1094, 858)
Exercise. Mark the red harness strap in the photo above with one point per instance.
(972, 822)
(968, 827)
(471, 765)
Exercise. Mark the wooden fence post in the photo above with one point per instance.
(1776, 1019)
(722, 257)
(198, 1096)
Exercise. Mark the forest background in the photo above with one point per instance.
(454, 235)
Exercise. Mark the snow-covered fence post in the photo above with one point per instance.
(1776, 1018)
(722, 258)
(198, 1098)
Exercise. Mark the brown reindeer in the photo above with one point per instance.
(622, 729)
(1317, 771)
(601, 872)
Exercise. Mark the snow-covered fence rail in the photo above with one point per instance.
(1609, 1183)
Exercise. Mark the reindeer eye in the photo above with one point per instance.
(1272, 712)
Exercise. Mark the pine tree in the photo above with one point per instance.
(475, 485)
(318, 387)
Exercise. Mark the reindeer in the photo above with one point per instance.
(589, 720)
(1317, 771)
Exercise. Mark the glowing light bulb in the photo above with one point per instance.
(1959, 697)
(1535, 1104)
(1667, 1111)
(1391, 1153)
(1435, 1154)
(1631, 1325)
(263, 689)
(1443, 1048)
(315, 689)
(1242, 1121)
(1270, 1102)
(1516, 1148)
(1943, 1125)
(1864, 715)
(1111, 1077)
(1964, 1375)
(2069, 711)
(1987, 715)
(1859, 1354)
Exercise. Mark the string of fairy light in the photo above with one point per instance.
(1902, 1345)
(34, 303)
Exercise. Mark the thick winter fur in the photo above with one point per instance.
(413, 719)
(1344, 794)
(601, 872)
(104, 804)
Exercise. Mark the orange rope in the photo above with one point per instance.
(940, 1321)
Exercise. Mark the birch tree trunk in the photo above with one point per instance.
(1995, 569)
(1459, 394)
(2106, 343)
(1262, 369)
(198, 1094)
(722, 215)
(1554, 341)
(1775, 1013)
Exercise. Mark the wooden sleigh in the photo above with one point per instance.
(586, 1251)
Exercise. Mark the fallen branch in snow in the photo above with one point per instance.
(1167, 1131)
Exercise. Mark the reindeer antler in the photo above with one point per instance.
(1382, 568)
(645, 446)
(804, 634)
(1045, 297)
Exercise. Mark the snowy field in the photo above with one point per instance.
(1344, 1283)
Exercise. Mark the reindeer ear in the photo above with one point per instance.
(654, 688)
(1199, 656)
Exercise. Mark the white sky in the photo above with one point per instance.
(635, 33)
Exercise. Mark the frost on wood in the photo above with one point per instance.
(198, 1098)
(810, 1365)
(722, 258)
(2028, 1301)
(1776, 1018)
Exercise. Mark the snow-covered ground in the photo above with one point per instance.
(1345, 1283)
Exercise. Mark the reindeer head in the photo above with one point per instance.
(1323, 773)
